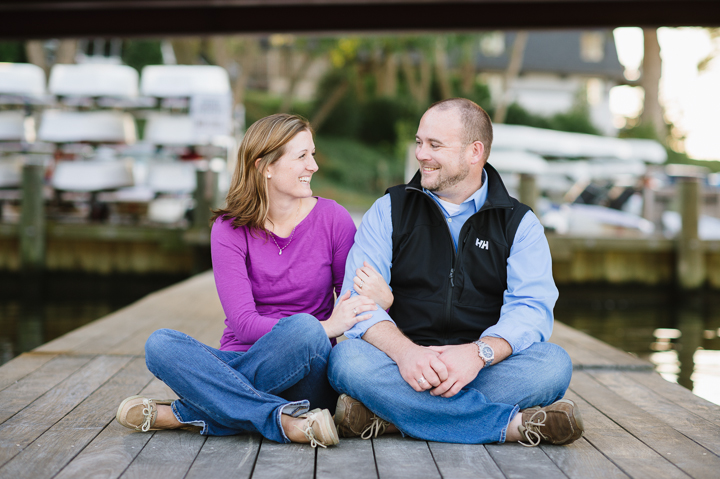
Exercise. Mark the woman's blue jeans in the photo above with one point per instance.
(229, 392)
(478, 414)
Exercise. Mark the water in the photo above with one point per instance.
(677, 332)
(33, 312)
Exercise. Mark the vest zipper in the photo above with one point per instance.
(451, 284)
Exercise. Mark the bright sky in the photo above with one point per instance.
(691, 98)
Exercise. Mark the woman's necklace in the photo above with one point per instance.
(291, 234)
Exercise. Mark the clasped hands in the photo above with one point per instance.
(444, 370)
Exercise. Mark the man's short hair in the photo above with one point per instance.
(476, 122)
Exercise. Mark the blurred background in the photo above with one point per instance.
(113, 151)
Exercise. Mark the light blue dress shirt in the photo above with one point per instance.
(527, 312)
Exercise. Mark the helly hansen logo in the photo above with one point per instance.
(481, 244)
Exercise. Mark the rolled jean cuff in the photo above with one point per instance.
(201, 424)
(293, 409)
(503, 433)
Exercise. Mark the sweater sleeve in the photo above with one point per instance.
(229, 250)
(343, 238)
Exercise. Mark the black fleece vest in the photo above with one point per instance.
(443, 297)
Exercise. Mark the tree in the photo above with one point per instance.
(651, 72)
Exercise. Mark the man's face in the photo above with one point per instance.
(440, 150)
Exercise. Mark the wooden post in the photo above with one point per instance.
(690, 254)
(32, 219)
(528, 190)
(206, 194)
(411, 163)
(206, 197)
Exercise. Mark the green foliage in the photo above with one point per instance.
(379, 120)
(355, 166)
(577, 120)
(644, 131)
(140, 53)
(260, 104)
(13, 52)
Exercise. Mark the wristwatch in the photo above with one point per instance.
(485, 351)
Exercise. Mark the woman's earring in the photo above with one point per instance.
(269, 176)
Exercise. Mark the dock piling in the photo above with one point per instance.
(32, 219)
(528, 190)
(690, 254)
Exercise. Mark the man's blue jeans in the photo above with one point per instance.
(229, 392)
(478, 414)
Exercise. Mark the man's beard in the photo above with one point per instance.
(445, 182)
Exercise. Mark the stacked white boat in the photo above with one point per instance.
(85, 130)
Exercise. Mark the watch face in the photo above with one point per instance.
(487, 352)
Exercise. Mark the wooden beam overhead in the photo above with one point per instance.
(24, 19)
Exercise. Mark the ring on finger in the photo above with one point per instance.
(355, 311)
(362, 283)
(421, 380)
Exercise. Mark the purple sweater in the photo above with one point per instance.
(257, 286)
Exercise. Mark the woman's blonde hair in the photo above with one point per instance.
(247, 201)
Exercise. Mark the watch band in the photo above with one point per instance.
(485, 351)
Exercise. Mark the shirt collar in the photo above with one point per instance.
(478, 198)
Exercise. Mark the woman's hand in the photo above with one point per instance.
(370, 283)
(347, 312)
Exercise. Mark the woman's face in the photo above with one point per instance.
(290, 175)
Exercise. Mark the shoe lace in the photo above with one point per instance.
(310, 434)
(532, 429)
(148, 410)
(376, 427)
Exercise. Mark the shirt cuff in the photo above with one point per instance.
(360, 328)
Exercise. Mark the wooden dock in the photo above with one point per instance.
(58, 403)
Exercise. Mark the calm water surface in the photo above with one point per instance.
(33, 312)
(675, 331)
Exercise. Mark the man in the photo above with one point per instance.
(461, 356)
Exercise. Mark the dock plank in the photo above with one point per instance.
(590, 353)
(686, 454)
(108, 455)
(16, 397)
(402, 457)
(628, 453)
(167, 454)
(464, 461)
(280, 461)
(680, 396)
(682, 420)
(67, 438)
(515, 461)
(353, 458)
(226, 457)
(582, 461)
(24, 427)
(19, 367)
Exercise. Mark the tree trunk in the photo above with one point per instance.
(329, 105)
(390, 71)
(467, 67)
(441, 65)
(36, 54)
(651, 71)
(66, 52)
(511, 74)
(297, 72)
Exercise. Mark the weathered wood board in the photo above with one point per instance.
(57, 409)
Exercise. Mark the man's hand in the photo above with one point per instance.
(417, 362)
(463, 364)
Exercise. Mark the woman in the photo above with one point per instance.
(277, 254)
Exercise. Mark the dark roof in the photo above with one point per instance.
(22, 19)
(558, 52)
